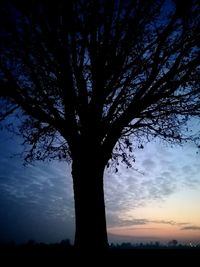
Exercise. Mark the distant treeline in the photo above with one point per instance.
(173, 244)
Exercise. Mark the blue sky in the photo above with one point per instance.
(160, 201)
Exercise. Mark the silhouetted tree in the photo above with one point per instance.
(65, 243)
(90, 79)
(173, 243)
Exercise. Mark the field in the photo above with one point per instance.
(59, 255)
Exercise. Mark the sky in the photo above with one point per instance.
(158, 200)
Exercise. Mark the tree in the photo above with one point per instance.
(89, 79)
(173, 243)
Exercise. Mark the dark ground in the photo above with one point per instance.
(56, 255)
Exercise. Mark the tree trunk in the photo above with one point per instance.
(90, 218)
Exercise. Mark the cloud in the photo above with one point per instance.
(166, 174)
(190, 182)
(187, 169)
(171, 222)
(36, 201)
(192, 227)
(45, 190)
(42, 185)
(163, 222)
(158, 187)
(121, 222)
(129, 189)
(149, 164)
(134, 222)
(166, 171)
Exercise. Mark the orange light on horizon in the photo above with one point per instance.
(159, 231)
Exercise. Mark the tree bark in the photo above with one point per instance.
(90, 216)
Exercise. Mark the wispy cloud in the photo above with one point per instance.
(168, 222)
(45, 188)
(130, 190)
(127, 223)
(149, 164)
(192, 227)
(163, 222)
(165, 172)
(143, 221)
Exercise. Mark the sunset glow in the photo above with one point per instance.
(158, 203)
(163, 201)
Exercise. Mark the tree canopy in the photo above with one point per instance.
(102, 71)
